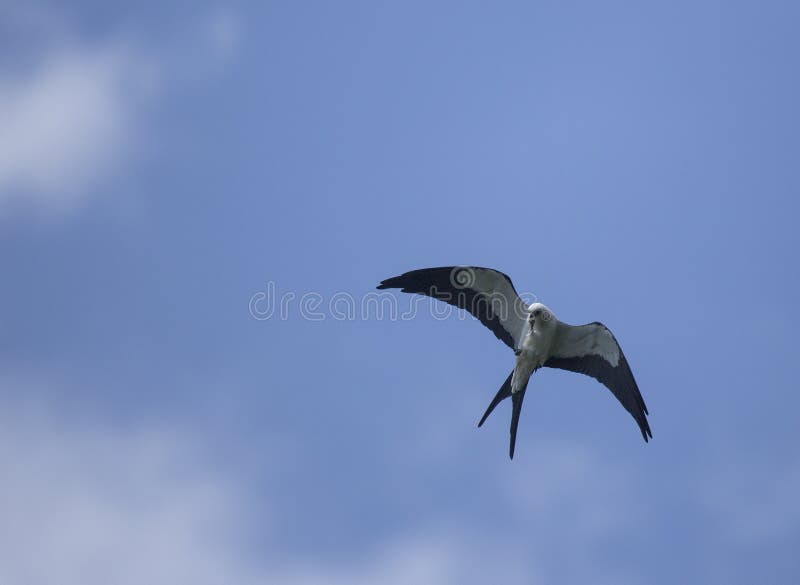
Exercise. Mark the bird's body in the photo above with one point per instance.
(537, 337)
(535, 345)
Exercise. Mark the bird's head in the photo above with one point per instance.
(540, 315)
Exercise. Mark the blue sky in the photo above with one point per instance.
(161, 166)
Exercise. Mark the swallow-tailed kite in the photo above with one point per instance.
(533, 332)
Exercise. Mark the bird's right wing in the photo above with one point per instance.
(487, 294)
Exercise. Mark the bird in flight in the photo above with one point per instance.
(533, 332)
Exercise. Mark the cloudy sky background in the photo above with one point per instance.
(163, 166)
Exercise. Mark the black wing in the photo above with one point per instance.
(487, 294)
(593, 350)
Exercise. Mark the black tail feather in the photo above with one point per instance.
(516, 401)
(502, 394)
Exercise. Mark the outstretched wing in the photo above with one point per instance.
(487, 294)
(592, 350)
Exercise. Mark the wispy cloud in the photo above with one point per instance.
(66, 122)
(439, 559)
(74, 111)
(84, 503)
(87, 502)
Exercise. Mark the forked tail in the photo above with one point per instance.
(502, 394)
(516, 401)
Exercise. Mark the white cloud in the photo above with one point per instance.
(84, 503)
(443, 559)
(66, 123)
(87, 502)
(72, 110)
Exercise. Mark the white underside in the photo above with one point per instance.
(534, 351)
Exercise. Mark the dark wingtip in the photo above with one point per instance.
(393, 282)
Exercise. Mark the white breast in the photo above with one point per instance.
(537, 344)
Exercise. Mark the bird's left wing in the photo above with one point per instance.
(487, 294)
(592, 350)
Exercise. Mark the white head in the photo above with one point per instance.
(541, 316)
